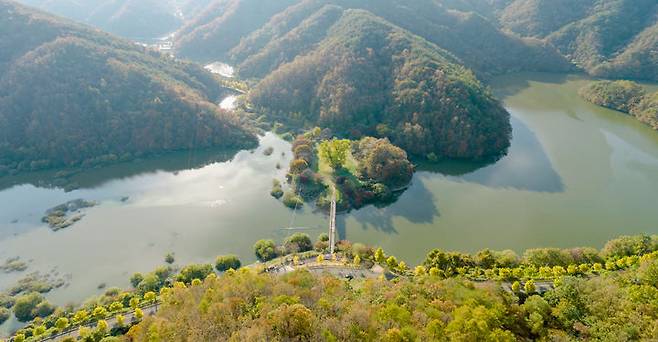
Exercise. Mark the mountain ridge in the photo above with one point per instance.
(70, 96)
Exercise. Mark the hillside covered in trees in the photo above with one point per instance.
(368, 77)
(137, 19)
(305, 307)
(608, 38)
(547, 294)
(624, 96)
(237, 29)
(70, 96)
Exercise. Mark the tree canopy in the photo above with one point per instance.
(368, 77)
(335, 151)
(624, 96)
(73, 96)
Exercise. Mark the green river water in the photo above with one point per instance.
(576, 175)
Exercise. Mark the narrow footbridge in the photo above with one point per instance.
(332, 222)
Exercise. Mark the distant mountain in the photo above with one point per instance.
(70, 95)
(135, 19)
(609, 38)
(239, 29)
(218, 28)
(367, 76)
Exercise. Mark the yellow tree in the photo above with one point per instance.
(335, 151)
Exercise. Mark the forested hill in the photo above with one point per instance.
(370, 77)
(609, 38)
(137, 19)
(70, 95)
(240, 28)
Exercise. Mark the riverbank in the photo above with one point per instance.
(565, 152)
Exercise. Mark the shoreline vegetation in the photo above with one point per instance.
(364, 171)
(66, 214)
(624, 96)
(499, 288)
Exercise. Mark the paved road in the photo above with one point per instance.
(337, 267)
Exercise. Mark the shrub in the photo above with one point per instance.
(150, 283)
(277, 191)
(44, 309)
(292, 200)
(447, 260)
(194, 271)
(265, 250)
(298, 242)
(297, 166)
(548, 257)
(323, 237)
(4, 314)
(630, 245)
(25, 306)
(135, 279)
(226, 262)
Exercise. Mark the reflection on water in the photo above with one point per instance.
(576, 174)
(416, 205)
(525, 167)
(171, 162)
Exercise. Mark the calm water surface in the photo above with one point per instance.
(576, 174)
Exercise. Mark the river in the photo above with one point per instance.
(575, 175)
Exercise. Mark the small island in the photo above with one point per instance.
(66, 214)
(624, 96)
(364, 171)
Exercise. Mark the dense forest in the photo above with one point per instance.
(547, 294)
(608, 38)
(72, 96)
(137, 19)
(624, 96)
(304, 307)
(246, 26)
(368, 77)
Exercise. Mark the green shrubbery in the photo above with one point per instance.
(227, 262)
(277, 191)
(30, 306)
(304, 306)
(298, 242)
(265, 250)
(588, 295)
(544, 263)
(194, 271)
